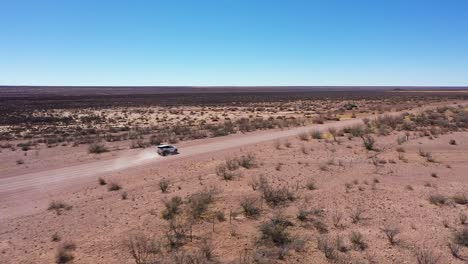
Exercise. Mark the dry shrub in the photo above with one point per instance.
(357, 215)
(274, 231)
(113, 186)
(303, 136)
(311, 185)
(461, 237)
(463, 218)
(337, 218)
(102, 181)
(232, 164)
(143, 249)
(172, 207)
(455, 250)
(248, 161)
(358, 240)
(64, 253)
(391, 233)
(59, 206)
(438, 199)
(275, 196)
(97, 148)
(355, 131)
(305, 215)
(325, 245)
(427, 155)
(426, 256)
(223, 172)
(178, 233)
(460, 198)
(198, 202)
(249, 205)
(164, 185)
(368, 142)
(316, 134)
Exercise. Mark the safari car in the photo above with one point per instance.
(165, 150)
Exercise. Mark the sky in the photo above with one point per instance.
(234, 42)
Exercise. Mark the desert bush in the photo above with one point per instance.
(304, 214)
(316, 134)
(64, 253)
(402, 139)
(368, 142)
(247, 161)
(172, 207)
(320, 226)
(59, 206)
(139, 143)
(460, 198)
(358, 240)
(389, 121)
(220, 216)
(56, 237)
(102, 181)
(164, 185)
(178, 233)
(461, 237)
(232, 164)
(426, 256)
(452, 142)
(305, 150)
(113, 186)
(340, 244)
(463, 218)
(198, 202)
(124, 195)
(357, 215)
(144, 250)
(303, 136)
(455, 250)
(275, 230)
(337, 216)
(249, 205)
(333, 132)
(391, 233)
(275, 196)
(277, 144)
(311, 185)
(19, 162)
(355, 131)
(223, 172)
(325, 245)
(156, 140)
(438, 199)
(427, 155)
(97, 148)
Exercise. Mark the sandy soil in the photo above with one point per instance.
(391, 192)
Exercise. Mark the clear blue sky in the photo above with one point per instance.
(234, 42)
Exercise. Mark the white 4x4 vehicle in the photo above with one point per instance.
(165, 150)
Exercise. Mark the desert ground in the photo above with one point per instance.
(268, 175)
